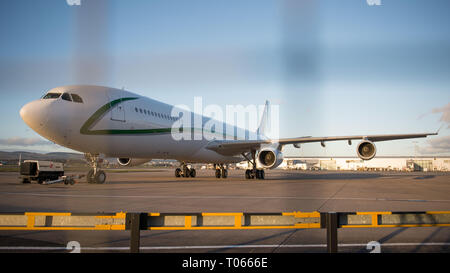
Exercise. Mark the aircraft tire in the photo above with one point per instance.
(259, 174)
(192, 172)
(247, 174)
(186, 172)
(218, 173)
(224, 173)
(100, 177)
(177, 172)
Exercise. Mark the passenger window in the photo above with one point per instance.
(66, 97)
(76, 98)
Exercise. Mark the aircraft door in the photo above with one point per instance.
(117, 107)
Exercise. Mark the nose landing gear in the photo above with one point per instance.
(95, 175)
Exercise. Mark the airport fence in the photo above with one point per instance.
(135, 222)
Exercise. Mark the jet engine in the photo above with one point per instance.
(270, 158)
(130, 162)
(366, 150)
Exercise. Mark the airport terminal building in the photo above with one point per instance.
(386, 163)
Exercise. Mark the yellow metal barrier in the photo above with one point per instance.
(134, 222)
(419, 217)
(221, 220)
(84, 222)
(191, 221)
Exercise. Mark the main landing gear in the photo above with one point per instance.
(220, 171)
(95, 175)
(185, 171)
(253, 172)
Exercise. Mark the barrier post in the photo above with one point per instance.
(332, 232)
(133, 225)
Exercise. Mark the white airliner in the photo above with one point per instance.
(106, 121)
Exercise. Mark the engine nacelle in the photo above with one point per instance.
(366, 150)
(270, 158)
(130, 162)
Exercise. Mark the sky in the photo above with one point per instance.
(333, 67)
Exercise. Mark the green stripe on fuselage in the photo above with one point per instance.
(85, 129)
(96, 117)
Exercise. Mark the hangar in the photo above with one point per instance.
(380, 163)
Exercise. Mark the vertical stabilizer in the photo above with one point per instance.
(264, 123)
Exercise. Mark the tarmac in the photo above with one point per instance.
(158, 190)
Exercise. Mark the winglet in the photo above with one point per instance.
(437, 132)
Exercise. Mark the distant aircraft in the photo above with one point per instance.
(135, 129)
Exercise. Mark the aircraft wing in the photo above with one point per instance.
(235, 147)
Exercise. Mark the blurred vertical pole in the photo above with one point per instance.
(301, 57)
(332, 232)
(134, 226)
(91, 43)
(300, 42)
(91, 59)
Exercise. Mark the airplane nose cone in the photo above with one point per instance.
(24, 113)
(33, 114)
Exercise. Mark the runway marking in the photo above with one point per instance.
(216, 197)
(218, 246)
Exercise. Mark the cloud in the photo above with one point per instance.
(438, 145)
(445, 114)
(20, 141)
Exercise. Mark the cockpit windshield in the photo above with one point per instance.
(77, 98)
(51, 96)
(66, 96)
